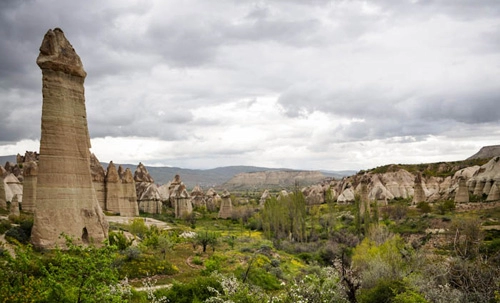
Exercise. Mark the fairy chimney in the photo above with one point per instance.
(65, 198)
(128, 198)
(30, 173)
(98, 179)
(226, 206)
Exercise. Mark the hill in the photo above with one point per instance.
(5, 159)
(486, 152)
(215, 177)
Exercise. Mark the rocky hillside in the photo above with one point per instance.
(474, 179)
(277, 179)
(487, 152)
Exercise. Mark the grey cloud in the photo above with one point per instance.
(471, 108)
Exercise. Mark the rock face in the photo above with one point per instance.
(65, 198)
(128, 198)
(198, 197)
(486, 152)
(12, 187)
(462, 194)
(14, 169)
(263, 198)
(113, 189)
(30, 172)
(3, 200)
(418, 190)
(274, 179)
(486, 179)
(99, 180)
(314, 194)
(180, 198)
(14, 206)
(212, 200)
(226, 206)
(148, 196)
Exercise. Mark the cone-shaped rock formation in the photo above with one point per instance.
(226, 206)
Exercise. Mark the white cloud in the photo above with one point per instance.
(301, 84)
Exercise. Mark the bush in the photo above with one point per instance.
(260, 277)
(194, 291)
(18, 234)
(4, 226)
(119, 240)
(212, 264)
(383, 291)
(424, 207)
(138, 227)
(445, 206)
(145, 265)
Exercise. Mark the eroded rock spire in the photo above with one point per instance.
(65, 198)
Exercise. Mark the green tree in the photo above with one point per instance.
(77, 274)
(389, 260)
(206, 238)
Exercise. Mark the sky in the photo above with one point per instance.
(315, 85)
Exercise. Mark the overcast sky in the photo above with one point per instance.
(299, 84)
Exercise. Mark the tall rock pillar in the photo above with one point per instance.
(226, 206)
(3, 198)
(65, 198)
(462, 194)
(113, 189)
(418, 190)
(128, 200)
(30, 172)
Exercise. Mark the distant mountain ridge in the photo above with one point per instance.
(216, 177)
(486, 152)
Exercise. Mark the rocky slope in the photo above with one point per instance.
(486, 152)
(273, 179)
(425, 182)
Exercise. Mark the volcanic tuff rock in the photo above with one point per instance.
(418, 192)
(113, 189)
(212, 199)
(486, 180)
(226, 206)
(486, 152)
(273, 179)
(148, 196)
(462, 193)
(198, 197)
(99, 180)
(128, 198)
(14, 169)
(180, 198)
(30, 172)
(65, 198)
(29, 156)
(12, 187)
(3, 200)
(14, 206)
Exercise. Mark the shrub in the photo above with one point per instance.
(18, 234)
(138, 227)
(212, 264)
(119, 240)
(424, 207)
(445, 206)
(383, 291)
(409, 296)
(146, 265)
(260, 277)
(4, 226)
(197, 290)
(197, 261)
